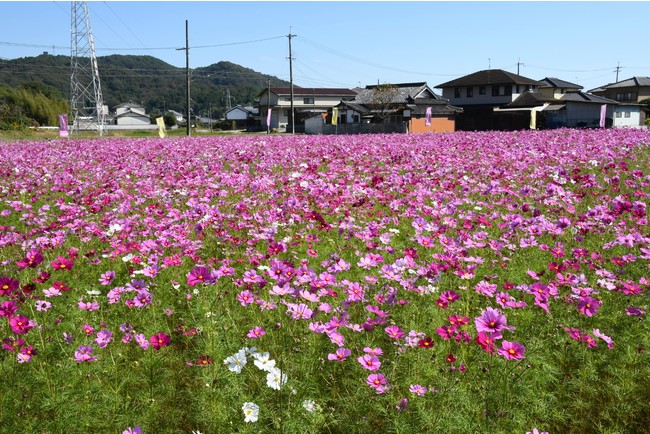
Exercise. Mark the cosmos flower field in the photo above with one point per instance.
(464, 282)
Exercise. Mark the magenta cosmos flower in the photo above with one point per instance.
(588, 305)
(491, 321)
(199, 275)
(62, 263)
(7, 285)
(20, 324)
(160, 340)
(512, 350)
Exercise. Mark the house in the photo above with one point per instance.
(389, 108)
(243, 117)
(573, 109)
(307, 102)
(131, 115)
(555, 88)
(629, 93)
(179, 116)
(480, 92)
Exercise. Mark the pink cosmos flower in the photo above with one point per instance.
(245, 298)
(417, 389)
(373, 351)
(256, 332)
(339, 355)
(369, 362)
(83, 354)
(607, 339)
(104, 337)
(378, 382)
(107, 278)
(8, 309)
(394, 332)
(512, 350)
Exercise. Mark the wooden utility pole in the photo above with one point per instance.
(293, 123)
(187, 73)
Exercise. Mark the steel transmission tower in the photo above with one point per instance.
(86, 101)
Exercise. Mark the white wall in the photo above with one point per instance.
(633, 121)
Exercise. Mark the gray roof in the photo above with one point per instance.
(586, 97)
(405, 93)
(630, 82)
(557, 83)
(529, 99)
(489, 76)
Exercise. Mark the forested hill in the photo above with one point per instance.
(146, 80)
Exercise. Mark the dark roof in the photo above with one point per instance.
(630, 82)
(405, 93)
(303, 91)
(529, 99)
(489, 76)
(557, 83)
(247, 109)
(586, 97)
(353, 106)
(129, 105)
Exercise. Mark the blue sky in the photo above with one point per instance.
(348, 44)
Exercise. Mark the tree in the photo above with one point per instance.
(383, 100)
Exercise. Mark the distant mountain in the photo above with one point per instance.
(145, 80)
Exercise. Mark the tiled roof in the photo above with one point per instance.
(489, 76)
(586, 97)
(557, 83)
(405, 93)
(529, 99)
(630, 82)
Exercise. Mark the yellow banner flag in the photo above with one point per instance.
(161, 126)
(533, 119)
(335, 116)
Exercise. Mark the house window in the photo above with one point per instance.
(470, 92)
(625, 96)
(457, 92)
(287, 98)
(627, 114)
(481, 90)
(308, 100)
(619, 114)
(495, 90)
(508, 89)
(286, 113)
(355, 119)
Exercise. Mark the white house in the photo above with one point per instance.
(307, 102)
(131, 114)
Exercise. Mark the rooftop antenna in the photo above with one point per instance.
(86, 101)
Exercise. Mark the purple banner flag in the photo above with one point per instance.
(427, 118)
(603, 114)
(63, 125)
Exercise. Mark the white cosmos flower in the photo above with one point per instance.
(264, 362)
(251, 411)
(310, 405)
(276, 378)
(236, 362)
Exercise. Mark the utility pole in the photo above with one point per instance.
(187, 73)
(618, 68)
(293, 123)
(519, 63)
(228, 105)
